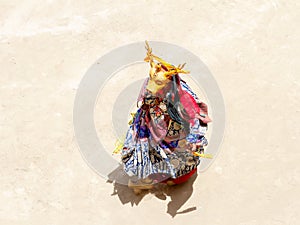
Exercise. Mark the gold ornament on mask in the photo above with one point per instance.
(161, 71)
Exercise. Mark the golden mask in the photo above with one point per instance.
(160, 72)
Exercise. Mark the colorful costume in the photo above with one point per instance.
(167, 132)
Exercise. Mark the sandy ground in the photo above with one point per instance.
(251, 47)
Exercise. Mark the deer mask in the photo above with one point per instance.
(160, 72)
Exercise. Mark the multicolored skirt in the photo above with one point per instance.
(156, 144)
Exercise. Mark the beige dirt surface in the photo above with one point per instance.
(251, 48)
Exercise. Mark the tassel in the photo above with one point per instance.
(208, 156)
(119, 145)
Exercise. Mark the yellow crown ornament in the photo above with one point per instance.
(161, 71)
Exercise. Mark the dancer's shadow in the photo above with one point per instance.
(179, 194)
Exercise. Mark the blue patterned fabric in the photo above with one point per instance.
(139, 163)
(197, 133)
